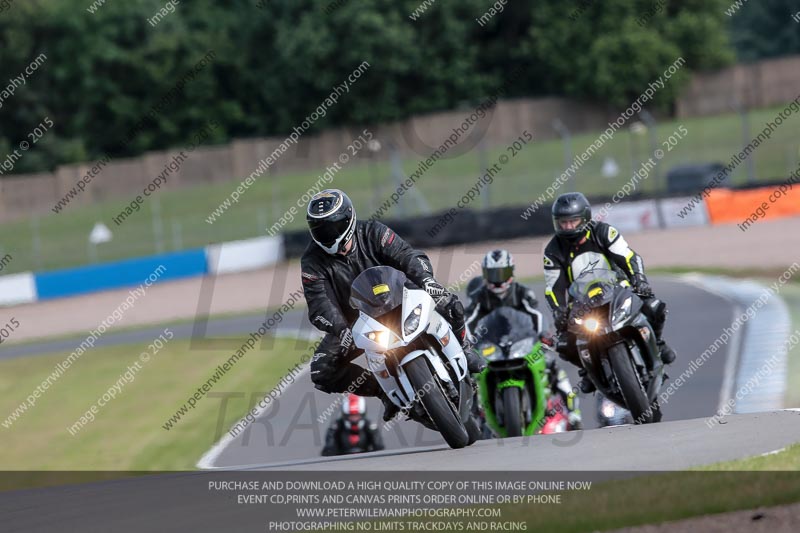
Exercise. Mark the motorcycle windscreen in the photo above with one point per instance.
(504, 325)
(595, 286)
(377, 290)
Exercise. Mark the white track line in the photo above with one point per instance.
(740, 365)
(773, 452)
(734, 345)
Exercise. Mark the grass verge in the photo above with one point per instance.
(127, 432)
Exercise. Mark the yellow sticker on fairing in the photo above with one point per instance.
(380, 289)
(489, 350)
(594, 292)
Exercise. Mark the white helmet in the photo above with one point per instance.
(498, 271)
(354, 411)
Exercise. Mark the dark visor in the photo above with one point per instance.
(326, 231)
(496, 276)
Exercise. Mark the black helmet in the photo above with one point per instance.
(331, 218)
(498, 271)
(571, 207)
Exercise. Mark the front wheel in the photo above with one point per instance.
(439, 408)
(512, 412)
(630, 386)
(474, 431)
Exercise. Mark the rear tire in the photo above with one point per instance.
(512, 412)
(436, 404)
(632, 391)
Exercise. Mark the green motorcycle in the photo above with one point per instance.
(513, 389)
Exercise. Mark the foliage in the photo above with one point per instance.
(276, 61)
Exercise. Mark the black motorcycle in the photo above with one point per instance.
(615, 342)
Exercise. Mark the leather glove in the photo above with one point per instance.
(452, 309)
(436, 291)
(346, 339)
(641, 287)
(454, 314)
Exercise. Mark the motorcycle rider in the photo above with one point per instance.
(497, 289)
(342, 248)
(352, 432)
(581, 244)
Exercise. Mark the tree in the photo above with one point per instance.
(114, 84)
(766, 29)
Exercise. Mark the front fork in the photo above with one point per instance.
(536, 365)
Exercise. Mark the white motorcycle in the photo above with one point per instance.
(414, 354)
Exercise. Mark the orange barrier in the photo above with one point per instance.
(725, 206)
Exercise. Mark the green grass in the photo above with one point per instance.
(127, 433)
(62, 238)
(659, 498)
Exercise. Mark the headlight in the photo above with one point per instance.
(591, 325)
(609, 409)
(412, 322)
(380, 337)
(521, 348)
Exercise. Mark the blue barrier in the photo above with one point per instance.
(119, 274)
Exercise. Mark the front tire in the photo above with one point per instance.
(436, 404)
(631, 388)
(473, 428)
(512, 412)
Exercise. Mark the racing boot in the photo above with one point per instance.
(563, 388)
(668, 355)
(657, 313)
(575, 419)
(585, 384)
(370, 387)
(390, 409)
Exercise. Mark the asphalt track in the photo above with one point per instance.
(217, 327)
(285, 440)
(288, 430)
(675, 445)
